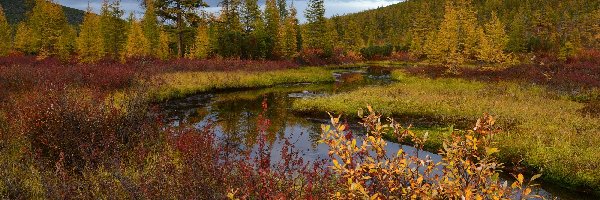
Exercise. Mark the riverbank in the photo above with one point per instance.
(543, 129)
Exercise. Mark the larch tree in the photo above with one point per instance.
(23, 42)
(273, 26)
(290, 31)
(182, 13)
(137, 45)
(151, 27)
(283, 9)
(5, 33)
(493, 41)
(422, 24)
(48, 24)
(201, 47)
(112, 28)
(90, 46)
(316, 27)
(163, 50)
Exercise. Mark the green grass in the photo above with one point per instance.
(542, 128)
(181, 84)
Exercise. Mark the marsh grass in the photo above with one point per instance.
(543, 129)
(181, 84)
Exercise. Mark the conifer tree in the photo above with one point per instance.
(182, 13)
(23, 39)
(137, 45)
(283, 9)
(493, 41)
(48, 24)
(352, 37)
(201, 46)
(113, 28)
(422, 25)
(150, 25)
(163, 50)
(273, 36)
(90, 46)
(230, 29)
(254, 29)
(316, 27)
(290, 31)
(5, 33)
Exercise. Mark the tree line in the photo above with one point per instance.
(458, 31)
(447, 31)
(171, 28)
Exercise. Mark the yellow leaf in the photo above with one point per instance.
(336, 164)
(520, 178)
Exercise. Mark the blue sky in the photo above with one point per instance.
(332, 7)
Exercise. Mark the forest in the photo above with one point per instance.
(423, 99)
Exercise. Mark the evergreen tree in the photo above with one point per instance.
(182, 13)
(352, 37)
(316, 27)
(283, 10)
(5, 33)
(254, 29)
(230, 29)
(113, 28)
(150, 23)
(273, 36)
(137, 45)
(90, 46)
(201, 46)
(290, 31)
(163, 50)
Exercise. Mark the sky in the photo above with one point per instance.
(332, 7)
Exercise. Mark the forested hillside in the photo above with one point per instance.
(16, 11)
(421, 26)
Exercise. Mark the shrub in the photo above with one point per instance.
(377, 52)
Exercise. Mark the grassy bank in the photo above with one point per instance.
(543, 129)
(181, 84)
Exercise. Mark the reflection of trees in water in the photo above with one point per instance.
(238, 118)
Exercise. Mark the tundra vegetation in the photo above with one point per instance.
(515, 82)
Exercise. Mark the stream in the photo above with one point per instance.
(234, 115)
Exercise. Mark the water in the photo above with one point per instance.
(234, 116)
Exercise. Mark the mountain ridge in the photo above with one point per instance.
(16, 11)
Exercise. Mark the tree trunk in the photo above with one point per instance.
(179, 32)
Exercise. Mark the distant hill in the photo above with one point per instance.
(16, 11)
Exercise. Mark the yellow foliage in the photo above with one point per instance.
(136, 45)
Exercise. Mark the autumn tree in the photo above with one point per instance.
(290, 31)
(273, 25)
(49, 28)
(23, 41)
(493, 41)
(458, 36)
(112, 28)
(90, 46)
(5, 33)
(163, 50)
(201, 46)
(422, 25)
(316, 26)
(151, 26)
(137, 45)
(181, 13)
